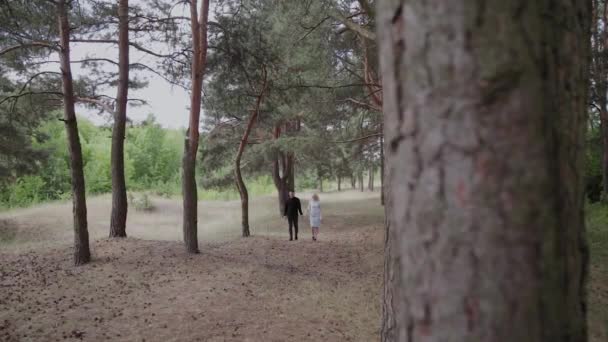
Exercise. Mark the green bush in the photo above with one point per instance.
(27, 190)
(140, 201)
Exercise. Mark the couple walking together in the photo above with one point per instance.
(293, 207)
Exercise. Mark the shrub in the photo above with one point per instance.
(141, 202)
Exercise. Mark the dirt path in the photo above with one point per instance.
(262, 288)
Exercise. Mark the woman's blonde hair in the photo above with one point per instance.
(315, 197)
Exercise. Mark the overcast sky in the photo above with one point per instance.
(168, 103)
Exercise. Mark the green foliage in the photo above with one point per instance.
(26, 190)
(597, 237)
(152, 162)
(593, 164)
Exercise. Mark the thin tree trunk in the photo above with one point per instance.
(604, 133)
(291, 173)
(199, 59)
(361, 184)
(279, 166)
(485, 228)
(320, 178)
(382, 201)
(118, 220)
(353, 181)
(240, 184)
(370, 182)
(339, 183)
(82, 253)
(237, 163)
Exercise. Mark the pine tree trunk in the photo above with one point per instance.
(199, 59)
(353, 182)
(190, 198)
(118, 220)
(604, 133)
(237, 163)
(370, 181)
(361, 184)
(82, 253)
(280, 183)
(485, 229)
(339, 183)
(382, 201)
(291, 173)
(244, 197)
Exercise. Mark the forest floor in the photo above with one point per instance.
(146, 288)
(262, 288)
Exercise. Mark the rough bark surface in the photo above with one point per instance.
(82, 253)
(485, 114)
(199, 59)
(118, 220)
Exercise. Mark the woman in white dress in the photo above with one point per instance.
(314, 212)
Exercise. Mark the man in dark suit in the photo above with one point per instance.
(292, 207)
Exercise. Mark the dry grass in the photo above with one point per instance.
(262, 288)
(258, 289)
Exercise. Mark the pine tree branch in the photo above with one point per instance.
(351, 25)
(135, 45)
(16, 96)
(28, 45)
(378, 134)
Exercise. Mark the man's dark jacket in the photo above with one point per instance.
(292, 207)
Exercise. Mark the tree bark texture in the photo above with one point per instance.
(199, 59)
(118, 220)
(485, 117)
(82, 253)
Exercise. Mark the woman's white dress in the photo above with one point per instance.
(314, 211)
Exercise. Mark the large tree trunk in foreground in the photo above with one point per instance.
(199, 59)
(118, 220)
(82, 253)
(485, 221)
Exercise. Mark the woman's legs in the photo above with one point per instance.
(315, 232)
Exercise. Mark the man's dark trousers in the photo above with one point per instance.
(293, 222)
